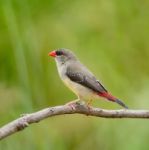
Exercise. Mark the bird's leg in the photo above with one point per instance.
(88, 104)
(73, 104)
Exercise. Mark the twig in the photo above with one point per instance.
(24, 121)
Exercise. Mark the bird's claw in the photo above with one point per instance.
(89, 107)
(72, 105)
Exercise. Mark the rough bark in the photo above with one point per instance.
(24, 121)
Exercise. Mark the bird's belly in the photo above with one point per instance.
(82, 92)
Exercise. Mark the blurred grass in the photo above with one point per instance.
(110, 37)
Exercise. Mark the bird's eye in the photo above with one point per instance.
(59, 53)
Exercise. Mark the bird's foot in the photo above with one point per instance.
(72, 105)
(89, 107)
(75, 103)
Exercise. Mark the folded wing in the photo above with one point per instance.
(83, 76)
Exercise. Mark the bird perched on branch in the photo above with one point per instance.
(79, 79)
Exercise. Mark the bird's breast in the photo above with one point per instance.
(81, 91)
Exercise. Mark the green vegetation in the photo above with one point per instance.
(109, 36)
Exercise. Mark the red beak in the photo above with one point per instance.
(53, 54)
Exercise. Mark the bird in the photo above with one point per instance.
(78, 78)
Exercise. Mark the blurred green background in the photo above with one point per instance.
(109, 36)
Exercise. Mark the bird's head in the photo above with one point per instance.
(62, 55)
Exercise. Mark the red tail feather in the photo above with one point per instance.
(112, 98)
(108, 96)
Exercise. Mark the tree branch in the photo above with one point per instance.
(24, 121)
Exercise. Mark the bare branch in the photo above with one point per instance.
(24, 121)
